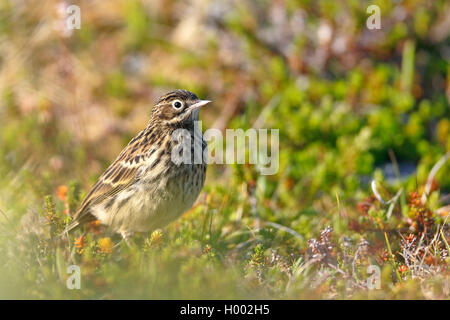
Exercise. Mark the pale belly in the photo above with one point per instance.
(147, 206)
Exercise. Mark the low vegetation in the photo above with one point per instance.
(363, 115)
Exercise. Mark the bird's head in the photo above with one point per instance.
(178, 108)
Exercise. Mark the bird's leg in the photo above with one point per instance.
(126, 235)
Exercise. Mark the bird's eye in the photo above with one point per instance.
(177, 104)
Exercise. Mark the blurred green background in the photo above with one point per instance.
(351, 104)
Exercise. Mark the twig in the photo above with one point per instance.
(394, 201)
(379, 198)
(395, 164)
(392, 257)
(285, 229)
(357, 256)
(445, 241)
(345, 274)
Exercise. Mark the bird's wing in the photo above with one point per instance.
(120, 174)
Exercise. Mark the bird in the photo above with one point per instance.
(156, 177)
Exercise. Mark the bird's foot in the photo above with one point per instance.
(126, 235)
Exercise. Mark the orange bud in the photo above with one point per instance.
(62, 192)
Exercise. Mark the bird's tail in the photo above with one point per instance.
(78, 221)
(70, 228)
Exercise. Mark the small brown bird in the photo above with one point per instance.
(147, 186)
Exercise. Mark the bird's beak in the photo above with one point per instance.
(199, 104)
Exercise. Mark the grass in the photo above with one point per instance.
(211, 252)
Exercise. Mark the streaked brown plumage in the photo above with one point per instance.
(144, 189)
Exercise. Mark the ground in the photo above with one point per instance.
(363, 118)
